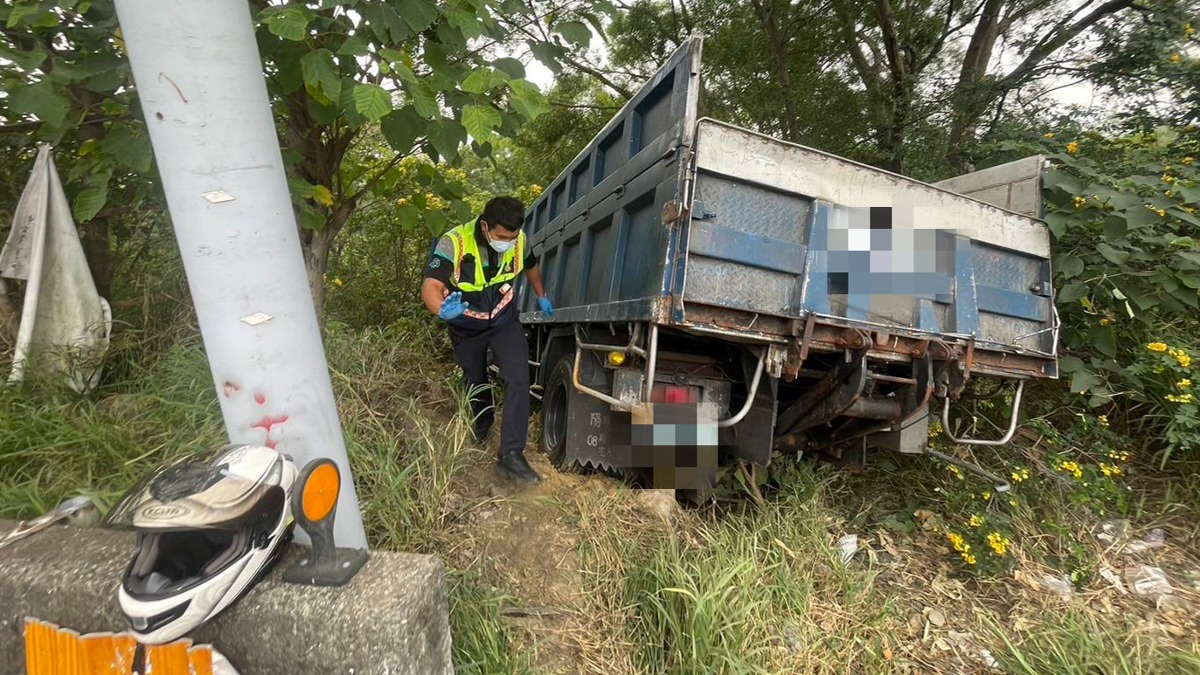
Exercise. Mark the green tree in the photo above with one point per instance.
(427, 78)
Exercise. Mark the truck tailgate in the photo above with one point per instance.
(779, 232)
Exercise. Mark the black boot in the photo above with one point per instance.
(512, 465)
(481, 432)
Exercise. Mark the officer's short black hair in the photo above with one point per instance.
(504, 212)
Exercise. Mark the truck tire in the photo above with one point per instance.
(556, 407)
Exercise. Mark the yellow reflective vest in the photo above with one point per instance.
(466, 246)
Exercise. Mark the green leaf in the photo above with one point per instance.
(408, 216)
(526, 99)
(1071, 364)
(1057, 221)
(550, 55)
(513, 68)
(1190, 256)
(1114, 256)
(479, 81)
(41, 100)
(467, 23)
(348, 105)
(310, 218)
(401, 128)
(1084, 380)
(1072, 292)
(372, 101)
(354, 45)
(289, 24)
(480, 120)
(575, 31)
(1105, 341)
(26, 59)
(21, 10)
(130, 149)
(418, 14)
(445, 136)
(1068, 265)
(320, 75)
(93, 198)
(1115, 227)
(424, 101)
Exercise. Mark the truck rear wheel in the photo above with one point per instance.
(556, 407)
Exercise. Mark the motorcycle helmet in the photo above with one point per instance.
(208, 527)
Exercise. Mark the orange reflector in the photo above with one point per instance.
(321, 492)
(169, 659)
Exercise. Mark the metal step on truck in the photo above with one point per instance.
(722, 296)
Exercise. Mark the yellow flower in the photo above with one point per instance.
(987, 496)
(1110, 470)
(969, 558)
(1072, 468)
(403, 201)
(1106, 321)
(1103, 419)
(337, 282)
(1080, 202)
(1072, 148)
(1168, 178)
(1176, 58)
(1012, 502)
(999, 543)
(975, 521)
(1048, 135)
(1020, 475)
(1188, 30)
(1161, 212)
(1182, 357)
(1156, 347)
(1182, 398)
(1188, 161)
(958, 542)
(1185, 383)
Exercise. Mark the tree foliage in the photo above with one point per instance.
(908, 86)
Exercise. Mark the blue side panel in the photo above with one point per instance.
(1011, 303)
(816, 281)
(966, 308)
(745, 248)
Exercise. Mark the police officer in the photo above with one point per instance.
(469, 284)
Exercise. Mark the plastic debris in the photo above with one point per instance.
(1059, 586)
(1111, 532)
(1148, 581)
(848, 545)
(968, 647)
(1110, 575)
(1156, 539)
(75, 508)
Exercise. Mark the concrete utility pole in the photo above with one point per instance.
(200, 80)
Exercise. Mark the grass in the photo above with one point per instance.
(730, 588)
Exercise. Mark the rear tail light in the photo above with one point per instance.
(673, 393)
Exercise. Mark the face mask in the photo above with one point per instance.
(500, 246)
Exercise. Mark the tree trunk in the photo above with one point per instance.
(95, 233)
(316, 261)
(779, 52)
(965, 103)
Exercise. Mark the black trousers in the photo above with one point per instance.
(510, 351)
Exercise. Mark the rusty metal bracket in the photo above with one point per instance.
(829, 397)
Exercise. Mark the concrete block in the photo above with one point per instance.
(393, 617)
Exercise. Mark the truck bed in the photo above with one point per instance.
(702, 226)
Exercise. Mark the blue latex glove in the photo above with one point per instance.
(545, 306)
(453, 307)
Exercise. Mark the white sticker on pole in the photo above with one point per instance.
(218, 196)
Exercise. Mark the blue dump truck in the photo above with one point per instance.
(788, 299)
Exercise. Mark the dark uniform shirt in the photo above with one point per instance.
(441, 267)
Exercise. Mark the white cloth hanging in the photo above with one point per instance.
(65, 324)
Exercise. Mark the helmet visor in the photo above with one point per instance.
(210, 489)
